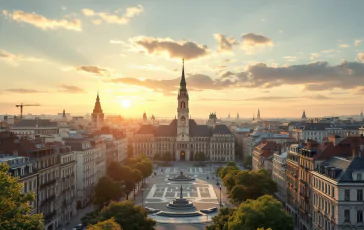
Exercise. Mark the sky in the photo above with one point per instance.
(281, 57)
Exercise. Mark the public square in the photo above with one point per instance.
(158, 191)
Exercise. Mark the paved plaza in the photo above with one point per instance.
(203, 192)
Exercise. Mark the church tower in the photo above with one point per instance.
(258, 115)
(97, 117)
(304, 118)
(183, 109)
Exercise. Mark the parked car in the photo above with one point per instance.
(78, 227)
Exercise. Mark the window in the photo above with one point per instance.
(359, 216)
(359, 177)
(347, 194)
(359, 195)
(347, 215)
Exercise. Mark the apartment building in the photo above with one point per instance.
(46, 161)
(338, 185)
(310, 156)
(292, 169)
(262, 153)
(67, 184)
(90, 159)
(22, 167)
(279, 172)
(36, 128)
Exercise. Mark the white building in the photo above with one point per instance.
(90, 158)
(279, 172)
(338, 186)
(36, 128)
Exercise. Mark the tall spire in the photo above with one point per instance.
(64, 113)
(97, 108)
(183, 79)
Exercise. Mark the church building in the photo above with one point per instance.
(97, 116)
(183, 137)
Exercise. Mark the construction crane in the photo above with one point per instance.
(21, 108)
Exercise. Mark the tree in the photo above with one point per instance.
(255, 184)
(226, 170)
(248, 161)
(136, 177)
(200, 156)
(238, 194)
(220, 221)
(127, 215)
(265, 212)
(115, 171)
(106, 190)
(105, 225)
(233, 164)
(14, 206)
(229, 179)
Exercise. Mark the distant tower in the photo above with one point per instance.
(258, 115)
(97, 119)
(153, 119)
(361, 116)
(237, 116)
(304, 118)
(144, 117)
(229, 116)
(64, 115)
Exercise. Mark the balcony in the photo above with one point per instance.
(48, 200)
(48, 183)
(49, 217)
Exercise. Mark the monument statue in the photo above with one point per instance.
(181, 195)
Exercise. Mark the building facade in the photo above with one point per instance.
(22, 167)
(36, 128)
(262, 153)
(183, 137)
(91, 163)
(279, 173)
(338, 193)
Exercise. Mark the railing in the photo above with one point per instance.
(47, 200)
(48, 218)
(48, 183)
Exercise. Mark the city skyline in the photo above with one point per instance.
(238, 57)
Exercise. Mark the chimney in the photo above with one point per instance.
(335, 139)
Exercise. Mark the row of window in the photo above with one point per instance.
(359, 195)
(324, 186)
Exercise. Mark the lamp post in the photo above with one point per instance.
(220, 195)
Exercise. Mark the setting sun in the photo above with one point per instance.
(126, 103)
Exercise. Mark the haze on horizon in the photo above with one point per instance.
(282, 58)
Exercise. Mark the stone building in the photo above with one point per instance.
(23, 168)
(338, 193)
(279, 172)
(262, 152)
(183, 137)
(91, 165)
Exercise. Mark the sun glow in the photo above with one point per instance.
(126, 103)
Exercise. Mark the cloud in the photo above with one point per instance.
(316, 76)
(330, 51)
(113, 18)
(14, 58)
(71, 89)
(174, 49)
(98, 71)
(43, 22)
(360, 57)
(225, 44)
(251, 41)
(24, 90)
(314, 56)
(268, 98)
(289, 57)
(343, 45)
(318, 97)
(357, 42)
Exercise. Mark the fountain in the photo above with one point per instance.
(180, 203)
(181, 177)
